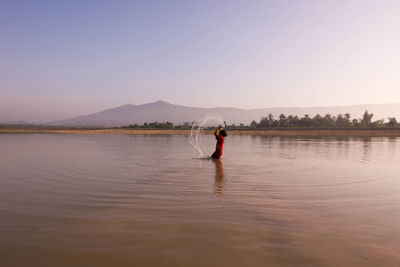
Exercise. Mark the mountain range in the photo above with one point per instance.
(162, 111)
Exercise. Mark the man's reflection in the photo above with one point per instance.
(366, 152)
(219, 176)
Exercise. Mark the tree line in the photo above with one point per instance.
(158, 125)
(266, 122)
(290, 121)
(327, 121)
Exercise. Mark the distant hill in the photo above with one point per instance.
(162, 111)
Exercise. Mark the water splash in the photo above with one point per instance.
(197, 132)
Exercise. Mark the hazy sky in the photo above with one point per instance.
(67, 58)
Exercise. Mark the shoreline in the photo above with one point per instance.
(292, 132)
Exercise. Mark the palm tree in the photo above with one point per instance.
(253, 124)
(282, 120)
(290, 120)
(270, 118)
(367, 119)
(392, 122)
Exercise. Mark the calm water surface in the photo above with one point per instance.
(119, 200)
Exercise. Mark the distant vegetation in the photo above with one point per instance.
(268, 122)
(152, 125)
(327, 121)
(6, 126)
(159, 125)
(318, 121)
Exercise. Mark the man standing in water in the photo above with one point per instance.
(220, 133)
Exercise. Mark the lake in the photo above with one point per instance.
(147, 200)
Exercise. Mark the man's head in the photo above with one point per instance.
(223, 133)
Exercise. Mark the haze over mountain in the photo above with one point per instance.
(162, 111)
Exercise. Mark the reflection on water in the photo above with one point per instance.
(219, 175)
(115, 200)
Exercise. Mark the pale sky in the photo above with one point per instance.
(66, 58)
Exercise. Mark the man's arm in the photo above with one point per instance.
(219, 129)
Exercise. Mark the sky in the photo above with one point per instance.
(66, 58)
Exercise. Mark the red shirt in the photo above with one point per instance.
(218, 148)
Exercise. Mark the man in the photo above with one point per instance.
(220, 133)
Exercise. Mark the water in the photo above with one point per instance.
(120, 200)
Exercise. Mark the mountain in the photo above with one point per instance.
(162, 111)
